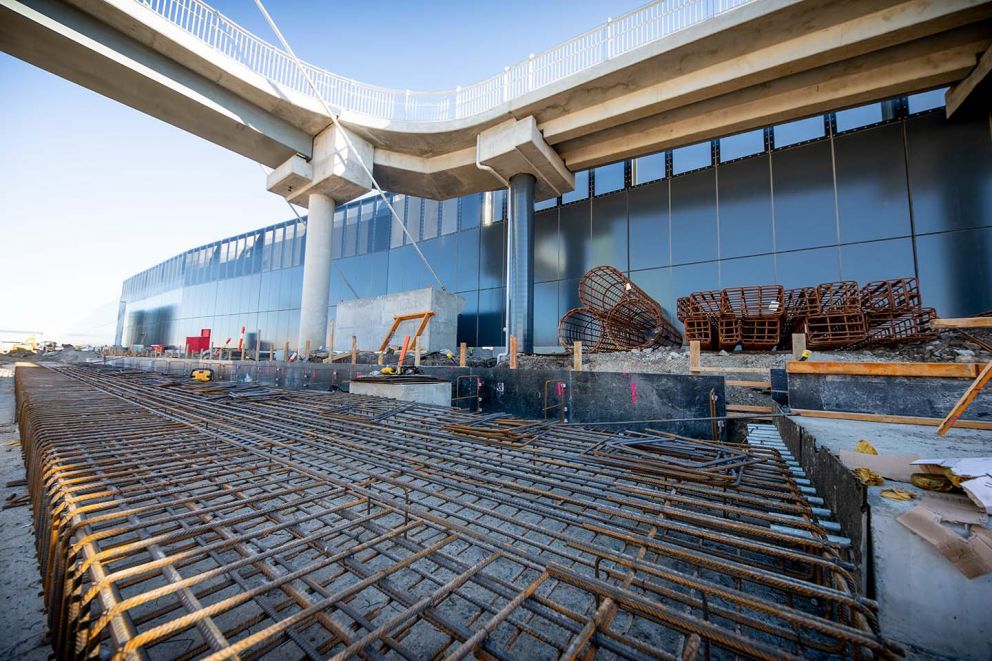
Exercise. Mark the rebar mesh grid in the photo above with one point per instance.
(728, 332)
(708, 303)
(636, 323)
(173, 524)
(587, 326)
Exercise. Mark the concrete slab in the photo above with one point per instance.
(925, 603)
(369, 319)
(438, 394)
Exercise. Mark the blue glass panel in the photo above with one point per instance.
(608, 243)
(805, 215)
(609, 178)
(877, 260)
(872, 201)
(694, 230)
(741, 145)
(658, 285)
(648, 168)
(950, 172)
(927, 100)
(492, 268)
(799, 131)
(467, 266)
(648, 222)
(805, 268)
(581, 191)
(492, 304)
(956, 271)
(546, 314)
(854, 118)
(546, 246)
(545, 204)
(692, 157)
(745, 271)
(471, 213)
(468, 319)
(574, 232)
(745, 208)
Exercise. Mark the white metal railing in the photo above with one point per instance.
(634, 29)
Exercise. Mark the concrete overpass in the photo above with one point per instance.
(665, 75)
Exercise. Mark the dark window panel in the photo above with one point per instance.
(648, 221)
(467, 267)
(956, 271)
(568, 296)
(692, 157)
(546, 314)
(575, 225)
(609, 178)
(492, 305)
(745, 208)
(694, 277)
(950, 172)
(805, 216)
(871, 184)
(471, 211)
(608, 244)
(877, 260)
(546, 246)
(746, 271)
(492, 268)
(468, 319)
(805, 268)
(658, 285)
(694, 233)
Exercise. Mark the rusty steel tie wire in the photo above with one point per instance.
(177, 520)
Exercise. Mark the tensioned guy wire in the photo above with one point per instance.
(347, 138)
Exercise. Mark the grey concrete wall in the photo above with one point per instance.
(369, 319)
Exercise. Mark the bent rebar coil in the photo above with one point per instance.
(173, 523)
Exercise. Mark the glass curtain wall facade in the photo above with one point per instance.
(889, 189)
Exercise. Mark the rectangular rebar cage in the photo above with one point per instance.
(177, 520)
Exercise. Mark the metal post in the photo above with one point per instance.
(522, 258)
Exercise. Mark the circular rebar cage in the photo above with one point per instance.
(583, 325)
(636, 323)
(603, 287)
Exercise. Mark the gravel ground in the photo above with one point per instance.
(23, 629)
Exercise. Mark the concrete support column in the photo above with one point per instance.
(521, 249)
(316, 272)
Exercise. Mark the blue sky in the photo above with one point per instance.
(92, 191)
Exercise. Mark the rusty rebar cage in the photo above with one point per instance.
(702, 329)
(896, 327)
(587, 326)
(728, 331)
(891, 296)
(603, 287)
(176, 520)
(832, 297)
(835, 330)
(636, 323)
(760, 333)
(707, 303)
(754, 301)
(683, 308)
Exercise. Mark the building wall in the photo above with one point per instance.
(886, 190)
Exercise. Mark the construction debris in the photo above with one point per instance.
(330, 524)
